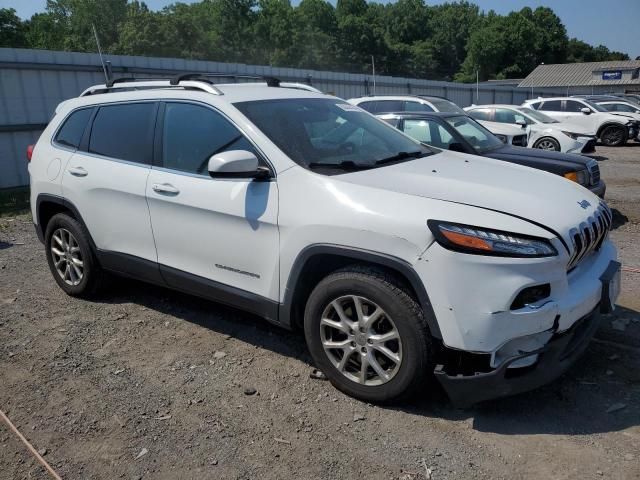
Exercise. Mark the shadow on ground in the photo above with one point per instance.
(575, 404)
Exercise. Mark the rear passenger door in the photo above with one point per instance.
(106, 178)
(210, 233)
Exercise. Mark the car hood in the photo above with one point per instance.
(560, 126)
(531, 156)
(540, 197)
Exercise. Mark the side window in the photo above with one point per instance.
(551, 106)
(124, 132)
(535, 106)
(70, 134)
(481, 114)
(394, 122)
(389, 106)
(504, 115)
(369, 106)
(573, 106)
(191, 134)
(428, 132)
(417, 107)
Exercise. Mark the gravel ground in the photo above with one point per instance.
(147, 383)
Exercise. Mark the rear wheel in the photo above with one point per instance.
(368, 335)
(547, 143)
(70, 257)
(614, 136)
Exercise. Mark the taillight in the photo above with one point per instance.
(30, 152)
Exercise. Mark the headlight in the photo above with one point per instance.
(581, 177)
(572, 135)
(482, 241)
(502, 138)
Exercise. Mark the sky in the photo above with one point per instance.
(613, 23)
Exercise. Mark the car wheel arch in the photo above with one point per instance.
(323, 259)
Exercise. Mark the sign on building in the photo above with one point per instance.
(612, 75)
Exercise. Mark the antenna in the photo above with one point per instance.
(104, 67)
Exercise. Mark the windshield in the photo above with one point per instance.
(481, 139)
(595, 106)
(329, 134)
(540, 117)
(446, 106)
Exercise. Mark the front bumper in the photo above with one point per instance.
(599, 189)
(555, 358)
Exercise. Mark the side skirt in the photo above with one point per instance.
(151, 272)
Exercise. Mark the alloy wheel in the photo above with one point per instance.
(67, 257)
(361, 340)
(546, 145)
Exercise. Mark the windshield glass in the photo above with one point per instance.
(329, 134)
(540, 117)
(479, 137)
(446, 106)
(595, 106)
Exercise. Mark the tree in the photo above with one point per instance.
(12, 31)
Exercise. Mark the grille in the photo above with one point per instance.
(589, 235)
(594, 170)
(519, 141)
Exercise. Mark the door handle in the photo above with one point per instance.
(166, 188)
(78, 172)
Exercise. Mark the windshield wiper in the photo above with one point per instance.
(344, 165)
(401, 156)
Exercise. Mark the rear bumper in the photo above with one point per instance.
(555, 358)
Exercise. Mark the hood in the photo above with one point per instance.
(536, 158)
(623, 117)
(561, 126)
(540, 197)
(503, 128)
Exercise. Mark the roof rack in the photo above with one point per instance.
(271, 81)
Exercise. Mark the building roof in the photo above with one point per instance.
(580, 74)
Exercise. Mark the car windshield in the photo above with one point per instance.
(595, 106)
(443, 105)
(329, 135)
(540, 117)
(481, 139)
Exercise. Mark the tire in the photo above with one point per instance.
(399, 312)
(62, 231)
(613, 135)
(547, 143)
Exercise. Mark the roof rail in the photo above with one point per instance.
(123, 84)
(271, 81)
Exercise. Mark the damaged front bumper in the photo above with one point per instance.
(552, 360)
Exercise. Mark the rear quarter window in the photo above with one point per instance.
(72, 129)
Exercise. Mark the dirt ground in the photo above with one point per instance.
(147, 383)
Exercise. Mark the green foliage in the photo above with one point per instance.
(408, 37)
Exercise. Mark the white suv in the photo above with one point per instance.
(397, 260)
(613, 129)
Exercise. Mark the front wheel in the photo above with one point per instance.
(368, 335)
(614, 136)
(547, 143)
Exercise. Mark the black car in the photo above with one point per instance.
(461, 133)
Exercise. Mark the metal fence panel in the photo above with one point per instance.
(33, 82)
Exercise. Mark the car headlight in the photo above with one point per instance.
(572, 135)
(502, 138)
(483, 241)
(580, 176)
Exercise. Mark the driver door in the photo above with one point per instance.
(210, 233)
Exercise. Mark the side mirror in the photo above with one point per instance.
(457, 147)
(236, 164)
(521, 122)
(586, 110)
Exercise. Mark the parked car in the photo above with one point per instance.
(615, 104)
(544, 132)
(399, 261)
(461, 133)
(405, 103)
(414, 103)
(612, 129)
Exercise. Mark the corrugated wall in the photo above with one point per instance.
(33, 82)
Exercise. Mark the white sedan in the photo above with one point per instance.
(543, 132)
